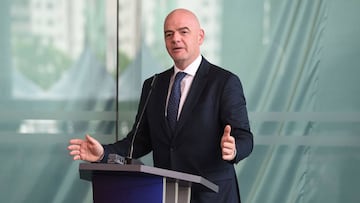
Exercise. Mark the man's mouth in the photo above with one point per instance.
(177, 48)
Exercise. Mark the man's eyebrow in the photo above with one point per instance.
(182, 28)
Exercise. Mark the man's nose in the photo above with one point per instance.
(176, 37)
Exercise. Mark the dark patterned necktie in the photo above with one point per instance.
(174, 100)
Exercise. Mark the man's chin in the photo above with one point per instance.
(179, 60)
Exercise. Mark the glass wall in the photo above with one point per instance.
(298, 62)
(58, 81)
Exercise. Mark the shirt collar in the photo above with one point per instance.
(191, 69)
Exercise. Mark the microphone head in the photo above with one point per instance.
(116, 159)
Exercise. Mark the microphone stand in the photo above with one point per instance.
(129, 159)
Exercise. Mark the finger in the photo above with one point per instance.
(74, 152)
(230, 140)
(76, 141)
(77, 157)
(227, 141)
(227, 150)
(228, 154)
(228, 145)
(226, 134)
(228, 157)
(73, 147)
(227, 130)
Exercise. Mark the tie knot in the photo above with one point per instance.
(179, 76)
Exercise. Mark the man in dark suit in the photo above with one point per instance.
(210, 131)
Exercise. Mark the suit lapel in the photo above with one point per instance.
(163, 87)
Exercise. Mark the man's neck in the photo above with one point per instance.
(182, 65)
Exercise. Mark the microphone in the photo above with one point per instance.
(129, 158)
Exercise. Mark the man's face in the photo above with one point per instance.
(183, 37)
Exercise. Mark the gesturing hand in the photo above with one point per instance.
(228, 147)
(88, 149)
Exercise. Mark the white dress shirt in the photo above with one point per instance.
(185, 83)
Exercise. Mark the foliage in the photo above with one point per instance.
(42, 64)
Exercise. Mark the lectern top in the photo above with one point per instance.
(88, 169)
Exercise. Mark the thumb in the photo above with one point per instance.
(227, 130)
(90, 139)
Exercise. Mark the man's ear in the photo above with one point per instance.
(201, 36)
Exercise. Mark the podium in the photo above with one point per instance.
(141, 183)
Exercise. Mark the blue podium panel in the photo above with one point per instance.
(141, 184)
(129, 188)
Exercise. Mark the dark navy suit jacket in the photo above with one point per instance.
(215, 99)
